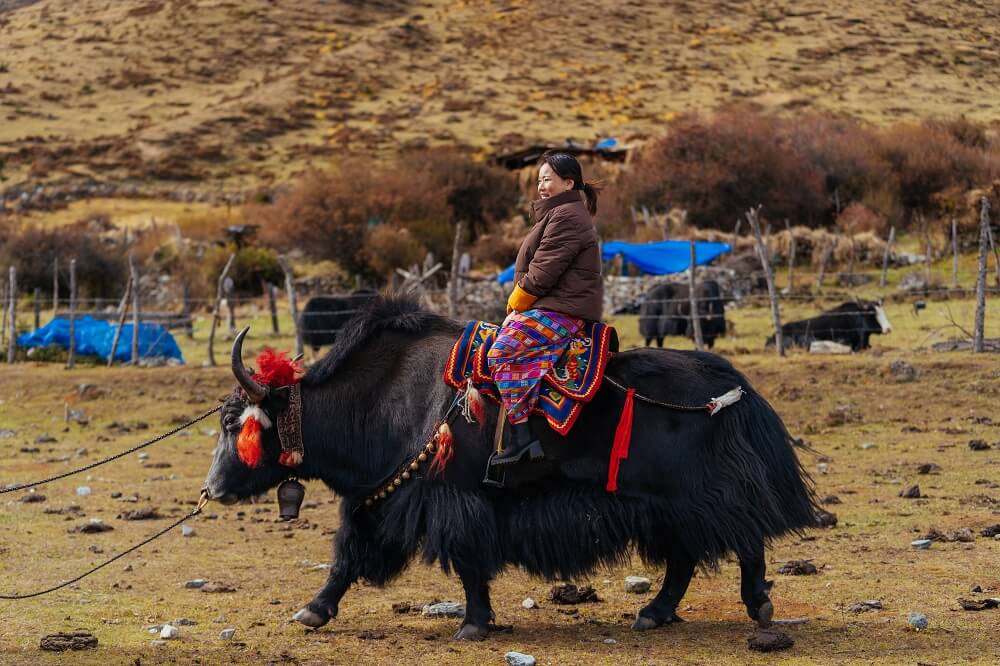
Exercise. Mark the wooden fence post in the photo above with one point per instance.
(230, 290)
(133, 271)
(699, 341)
(71, 358)
(996, 253)
(186, 311)
(954, 253)
(752, 218)
(979, 332)
(216, 308)
(293, 303)
(824, 259)
(122, 309)
(272, 302)
(791, 257)
(5, 299)
(55, 287)
(12, 316)
(38, 307)
(885, 255)
(453, 287)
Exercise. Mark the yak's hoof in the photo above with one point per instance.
(764, 614)
(310, 618)
(645, 623)
(471, 632)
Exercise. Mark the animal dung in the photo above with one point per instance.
(568, 593)
(73, 640)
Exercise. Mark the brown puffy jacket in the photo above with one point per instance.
(560, 260)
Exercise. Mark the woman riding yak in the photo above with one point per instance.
(557, 287)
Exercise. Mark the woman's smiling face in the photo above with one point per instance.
(550, 183)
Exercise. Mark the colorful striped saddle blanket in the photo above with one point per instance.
(573, 382)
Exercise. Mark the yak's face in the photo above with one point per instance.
(231, 478)
(875, 317)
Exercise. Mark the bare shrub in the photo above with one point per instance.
(389, 248)
(100, 266)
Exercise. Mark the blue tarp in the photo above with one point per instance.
(94, 338)
(659, 258)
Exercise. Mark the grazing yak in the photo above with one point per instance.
(324, 316)
(666, 310)
(851, 324)
(694, 488)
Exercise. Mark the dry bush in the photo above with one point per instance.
(857, 218)
(716, 168)
(927, 159)
(330, 215)
(100, 266)
(389, 248)
(206, 226)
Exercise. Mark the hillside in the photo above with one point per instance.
(227, 94)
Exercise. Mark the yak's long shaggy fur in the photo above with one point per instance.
(694, 488)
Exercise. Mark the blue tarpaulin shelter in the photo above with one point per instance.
(659, 258)
(95, 336)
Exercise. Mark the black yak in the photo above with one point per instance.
(693, 489)
(324, 316)
(666, 311)
(851, 324)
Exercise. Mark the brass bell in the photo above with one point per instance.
(391, 489)
(406, 475)
(397, 482)
(422, 457)
(382, 495)
(290, 496)
(414, 465)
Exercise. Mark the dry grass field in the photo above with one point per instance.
(868, 457)
(232, 94)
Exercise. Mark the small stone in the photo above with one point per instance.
(978, 445)
(637, 584)
(32, 497)
(168, 632)
(992, 531)
(519, 659)
(917, 620)
(147, 513)
(371, 635)
(921, 544)
(823, 468)
(94, 526)
(184, 622)
(443, 609)
(187, 531)
(962, 535)
(195, 584)
(610, 641)
(798, 568)
(978, 604)
(158, 643)
(826, 518)
(901, 371)
(865, 606)
(529, 603)
(45, 438)
(913, 492)
(865, 446)
(83, 491)
(217, 587)
(227, 634)
(928, 468)
(830, 499)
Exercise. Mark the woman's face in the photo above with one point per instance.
(551, 184)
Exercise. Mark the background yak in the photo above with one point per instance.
(666, 310)
(693, 489)
(324, 316)
(850, 324)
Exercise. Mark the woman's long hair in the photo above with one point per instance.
(567, 167)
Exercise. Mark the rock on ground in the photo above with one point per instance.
(637, 584)
(443, 609)
(519, 659)
(168, 631)
(227, 634)
(769, 640)
(917, 620)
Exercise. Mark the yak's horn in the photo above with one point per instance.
(298, 358)
(255, 391)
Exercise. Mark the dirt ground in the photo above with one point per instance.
(869, 451)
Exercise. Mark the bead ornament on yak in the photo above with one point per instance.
(694, 487)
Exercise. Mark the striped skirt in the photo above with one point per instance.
(527, 347)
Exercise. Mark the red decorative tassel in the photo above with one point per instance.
(444, 443)
(290, 458)
(248, 444)
(623, 436)
(474, 400)
(274, 368)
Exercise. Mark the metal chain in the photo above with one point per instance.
(22, 486)
(194, 512)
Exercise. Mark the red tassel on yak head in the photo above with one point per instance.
(274, 369)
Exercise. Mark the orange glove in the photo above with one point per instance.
(520, 300)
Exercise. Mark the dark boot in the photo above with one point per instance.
(522, 443)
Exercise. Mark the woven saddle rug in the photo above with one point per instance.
(572, 382)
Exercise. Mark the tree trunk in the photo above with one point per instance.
(980, 329)
(216, 308)
(699, 341)
(752, 218)
(71, 359)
